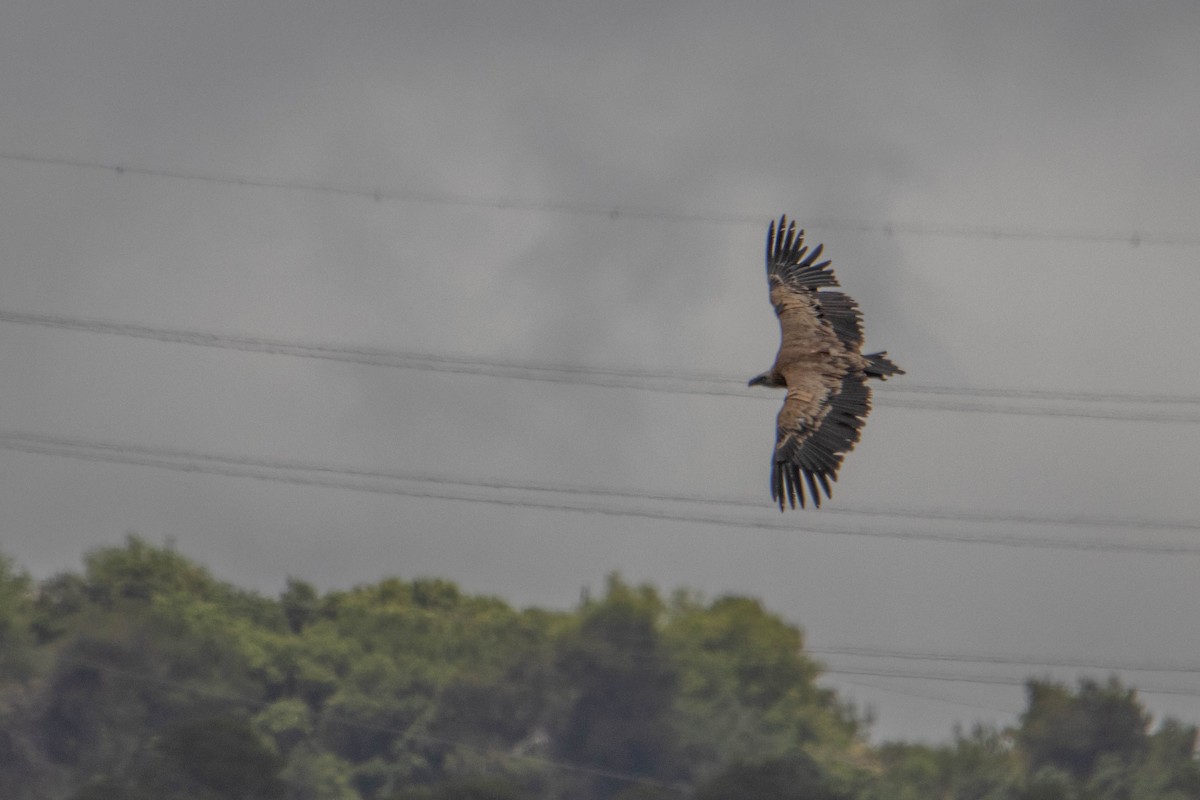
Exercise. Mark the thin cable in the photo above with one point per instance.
(661, 381)
(363, 481)
(665, 657)
(988, 680)
(1046, 394)
(673, 643)
(614, 211)
(1016, 660)
(20, 438)
(1110, 414)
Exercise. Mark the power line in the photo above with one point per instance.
(663, 655)
(18, 438)
(1129, 415)
(987, 680)
(661, 381)
(636, 646)
(1015, 660)
(639, 651)
(1048, 394)
(445, 489)
(616, 211)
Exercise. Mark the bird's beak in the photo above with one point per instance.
(758, 380)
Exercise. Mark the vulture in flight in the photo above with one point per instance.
(820, 363)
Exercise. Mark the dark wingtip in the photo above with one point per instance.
(788, 482)
(812, 488)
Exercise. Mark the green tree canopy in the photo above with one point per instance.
(1072, 731)
(143, 676)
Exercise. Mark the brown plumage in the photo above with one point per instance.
(820, 363)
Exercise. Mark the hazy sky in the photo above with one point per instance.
(1010, 190)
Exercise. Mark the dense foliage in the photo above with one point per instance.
(145, 677)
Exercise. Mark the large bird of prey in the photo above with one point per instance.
(820, 363)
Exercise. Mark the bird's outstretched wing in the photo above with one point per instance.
(790, 262)
(794, 273)
(821, 363)
(821, 420)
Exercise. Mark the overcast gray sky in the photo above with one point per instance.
(1010, 190)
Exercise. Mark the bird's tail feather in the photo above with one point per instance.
(880, 366)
